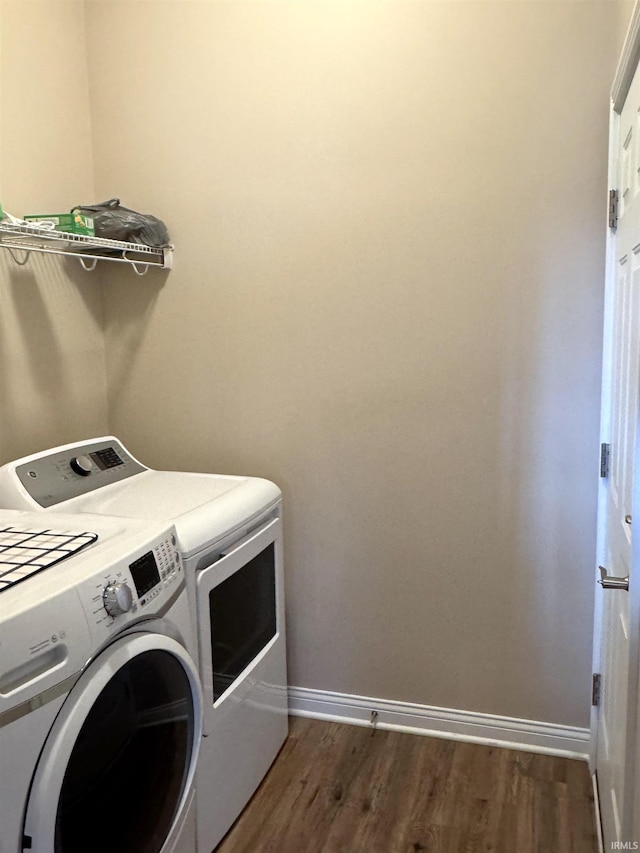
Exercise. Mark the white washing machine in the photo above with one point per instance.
(100, 701)
(229, 530)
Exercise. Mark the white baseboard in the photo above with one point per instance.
(527, 735)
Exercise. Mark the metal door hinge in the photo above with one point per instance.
(613, 209)
(596, 688)
(608, 582)
(605, 458)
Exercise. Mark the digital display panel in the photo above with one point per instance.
(106, 458)
(145, 573)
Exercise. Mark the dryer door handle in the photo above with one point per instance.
(240, 543)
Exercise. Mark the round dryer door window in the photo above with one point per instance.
(118, 763)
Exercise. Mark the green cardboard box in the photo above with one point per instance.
(72, 223)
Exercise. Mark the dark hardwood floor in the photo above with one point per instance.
(345, 789)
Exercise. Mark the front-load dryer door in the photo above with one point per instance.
(117, 766)
(240, 602)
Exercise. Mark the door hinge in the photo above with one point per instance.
(613, 209)
(605, 459)
(596, 689)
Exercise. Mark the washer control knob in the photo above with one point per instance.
(117, 598)
(82, 465)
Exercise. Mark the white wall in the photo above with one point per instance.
(52, 365)
(387, 297)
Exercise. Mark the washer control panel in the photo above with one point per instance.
(144, 584)
(63, 474)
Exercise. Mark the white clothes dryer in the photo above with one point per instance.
(229, 530)
(100, 701)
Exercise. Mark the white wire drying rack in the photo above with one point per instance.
(22, 240)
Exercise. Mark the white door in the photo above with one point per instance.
(619, 635)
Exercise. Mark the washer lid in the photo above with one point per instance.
(204, 507)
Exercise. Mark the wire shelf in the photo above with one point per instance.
(88, 250)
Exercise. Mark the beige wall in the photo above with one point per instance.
(387, 297)
(52, 369)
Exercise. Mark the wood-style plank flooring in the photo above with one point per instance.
(345, 789)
